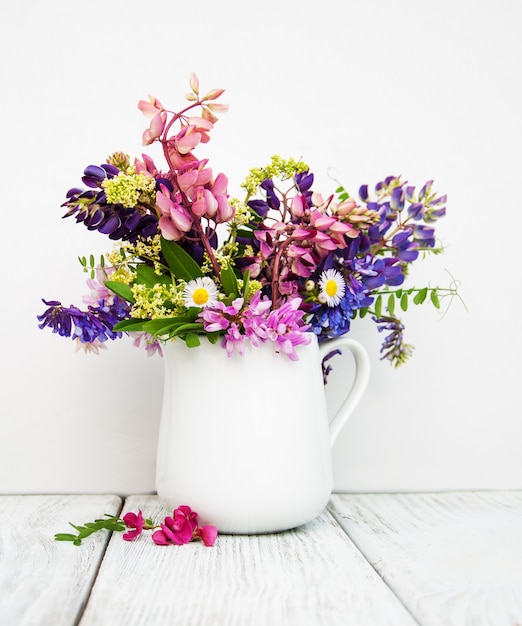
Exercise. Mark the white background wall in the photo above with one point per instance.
(425, 90)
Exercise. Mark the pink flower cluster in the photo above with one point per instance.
(178, 529)
(195, 194)
(256, 322)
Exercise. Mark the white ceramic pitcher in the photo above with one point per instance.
(245, 440)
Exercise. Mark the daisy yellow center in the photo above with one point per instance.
(200, 296)
(331, 287)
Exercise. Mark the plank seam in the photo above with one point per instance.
(85, 603)
(338, 518)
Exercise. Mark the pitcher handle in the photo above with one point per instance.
(362, 376)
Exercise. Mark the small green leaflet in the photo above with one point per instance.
(378, 306)
(420, 296)
(391, 304)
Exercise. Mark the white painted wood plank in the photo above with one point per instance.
(44, 582)
(452, 558)
(312, 576)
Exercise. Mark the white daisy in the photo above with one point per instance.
(332, 287)
(200, 292)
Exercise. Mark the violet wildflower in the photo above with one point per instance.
(95, 324)
(393, 347)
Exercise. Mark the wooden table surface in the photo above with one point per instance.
(370, 559)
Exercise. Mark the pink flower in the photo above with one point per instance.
(146, 341)
(98, 290)
(234, 340)
(194, 175)
(257, 323)
(155, 129)
(177, 529)
(146, 166)
(207, 534)
(175, 219)
(136, 522)
(150, 108)
(285, 328)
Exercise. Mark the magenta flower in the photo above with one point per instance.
(136, 522)
(219, 316)
(258, 323)
(177, 529)
(207, 534)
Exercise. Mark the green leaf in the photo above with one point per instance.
(213, 337)
(188, 327)
(391, 304)
(420, 296)
(246, 284)
(145, 275)
(160, 326)
(192, 340)
(404, 302)
(378, 306)
(229, 282)
(180, 263)
(245, 234)
(435, 299)
(120, 289)
(132, 325)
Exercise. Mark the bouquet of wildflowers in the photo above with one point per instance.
(279, 265)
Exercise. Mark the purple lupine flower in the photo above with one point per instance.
(271, 196)
(424, 235)
(91, 207)
(406, 249)
(304, 181)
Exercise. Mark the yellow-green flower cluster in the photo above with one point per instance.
(126, 255)
(224, 256)
(277, 168)
(128, 188)
(149, 249)
(242, 214)
(158, 301)
(253, 286)
(123, 272)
